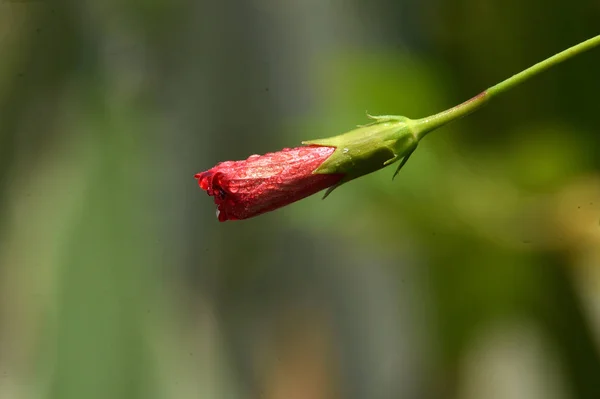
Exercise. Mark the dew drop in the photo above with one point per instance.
(345, 151)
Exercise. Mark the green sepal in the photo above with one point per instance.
(368, 148)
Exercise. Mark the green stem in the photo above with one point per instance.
(426, 125)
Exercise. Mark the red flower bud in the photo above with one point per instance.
(262, 183)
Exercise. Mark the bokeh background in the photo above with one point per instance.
(475, 274)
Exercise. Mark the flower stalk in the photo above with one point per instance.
(426, 125)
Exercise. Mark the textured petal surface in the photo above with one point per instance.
(262, 183)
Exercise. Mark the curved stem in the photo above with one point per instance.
(426, 125)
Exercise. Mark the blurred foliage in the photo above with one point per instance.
(475, 273)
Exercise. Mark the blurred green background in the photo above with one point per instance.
(475, 274)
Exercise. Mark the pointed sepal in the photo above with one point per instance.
(369, 148)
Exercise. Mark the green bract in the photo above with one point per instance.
(369, 148)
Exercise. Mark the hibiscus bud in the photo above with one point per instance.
(262, 183)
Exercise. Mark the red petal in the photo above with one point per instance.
(243, 189)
